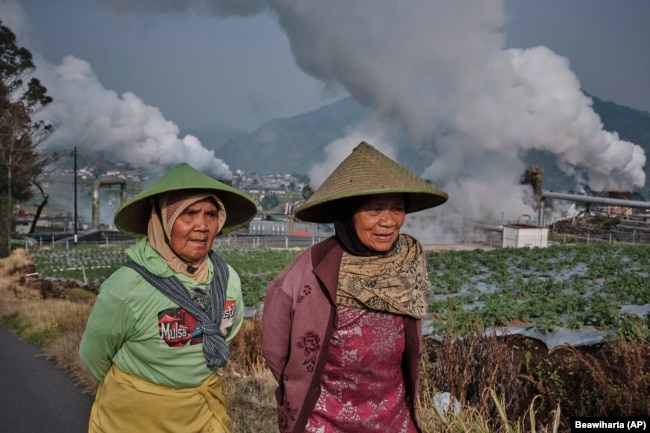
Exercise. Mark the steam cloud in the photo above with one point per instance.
(100, 123)
(122, 128)
(441, 70)
(433, 74)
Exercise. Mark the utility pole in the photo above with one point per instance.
(74, 154)
(293, 200)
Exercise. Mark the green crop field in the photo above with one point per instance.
(562, 286)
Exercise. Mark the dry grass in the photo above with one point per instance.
(249, 385)
(17, 263)
(251, 404)
(55, 324)
(481, 376)
(498, 391)
(614, 383)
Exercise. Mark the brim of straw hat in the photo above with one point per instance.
(366, 171)
(132, 217)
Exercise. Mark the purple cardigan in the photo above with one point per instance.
(299, 317)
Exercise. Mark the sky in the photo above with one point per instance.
(476, 83)
(200, 69)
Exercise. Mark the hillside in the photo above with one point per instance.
(290, 145)
(215, 135)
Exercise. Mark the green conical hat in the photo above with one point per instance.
(132, 217)
(366, 171)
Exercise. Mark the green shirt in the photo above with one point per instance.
(144, 333)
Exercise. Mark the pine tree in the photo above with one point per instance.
(22, 96)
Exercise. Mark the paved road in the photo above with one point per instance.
(35, 396)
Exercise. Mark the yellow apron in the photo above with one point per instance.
(127, 404)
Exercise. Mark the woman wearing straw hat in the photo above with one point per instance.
(342, 327)
(157, 337)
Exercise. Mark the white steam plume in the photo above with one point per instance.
(441, 68)
(122, 128)
(100, 123)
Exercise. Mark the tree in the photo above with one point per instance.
(21, 98)
(307, 192)
(270, 201)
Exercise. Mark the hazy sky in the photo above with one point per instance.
(473, 85)
(199, 68)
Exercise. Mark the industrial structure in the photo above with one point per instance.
(626, 217)
(614, 204)
(524, 235)
(105, 182)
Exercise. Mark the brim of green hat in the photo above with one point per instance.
(132, 217)
(367, 172)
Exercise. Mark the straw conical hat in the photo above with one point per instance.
(366, 171)
(132, 217)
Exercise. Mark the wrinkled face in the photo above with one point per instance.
(194, 230)
(378, 220)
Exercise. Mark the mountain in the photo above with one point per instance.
(290, 145)
(214, 135)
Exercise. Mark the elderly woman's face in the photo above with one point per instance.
(194, 230)
(378, 220)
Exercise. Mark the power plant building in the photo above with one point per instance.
(524, 235)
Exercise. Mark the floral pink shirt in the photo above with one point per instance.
(362, 387)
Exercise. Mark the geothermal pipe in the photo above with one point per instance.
(588, 199)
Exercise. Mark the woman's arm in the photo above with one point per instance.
(276, 328)
(233, 315)
(104, 334)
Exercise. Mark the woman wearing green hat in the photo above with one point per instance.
(342, 328)
(157, 337)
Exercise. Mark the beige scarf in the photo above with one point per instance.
(396, 283)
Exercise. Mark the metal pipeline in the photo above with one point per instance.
(588, 199)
